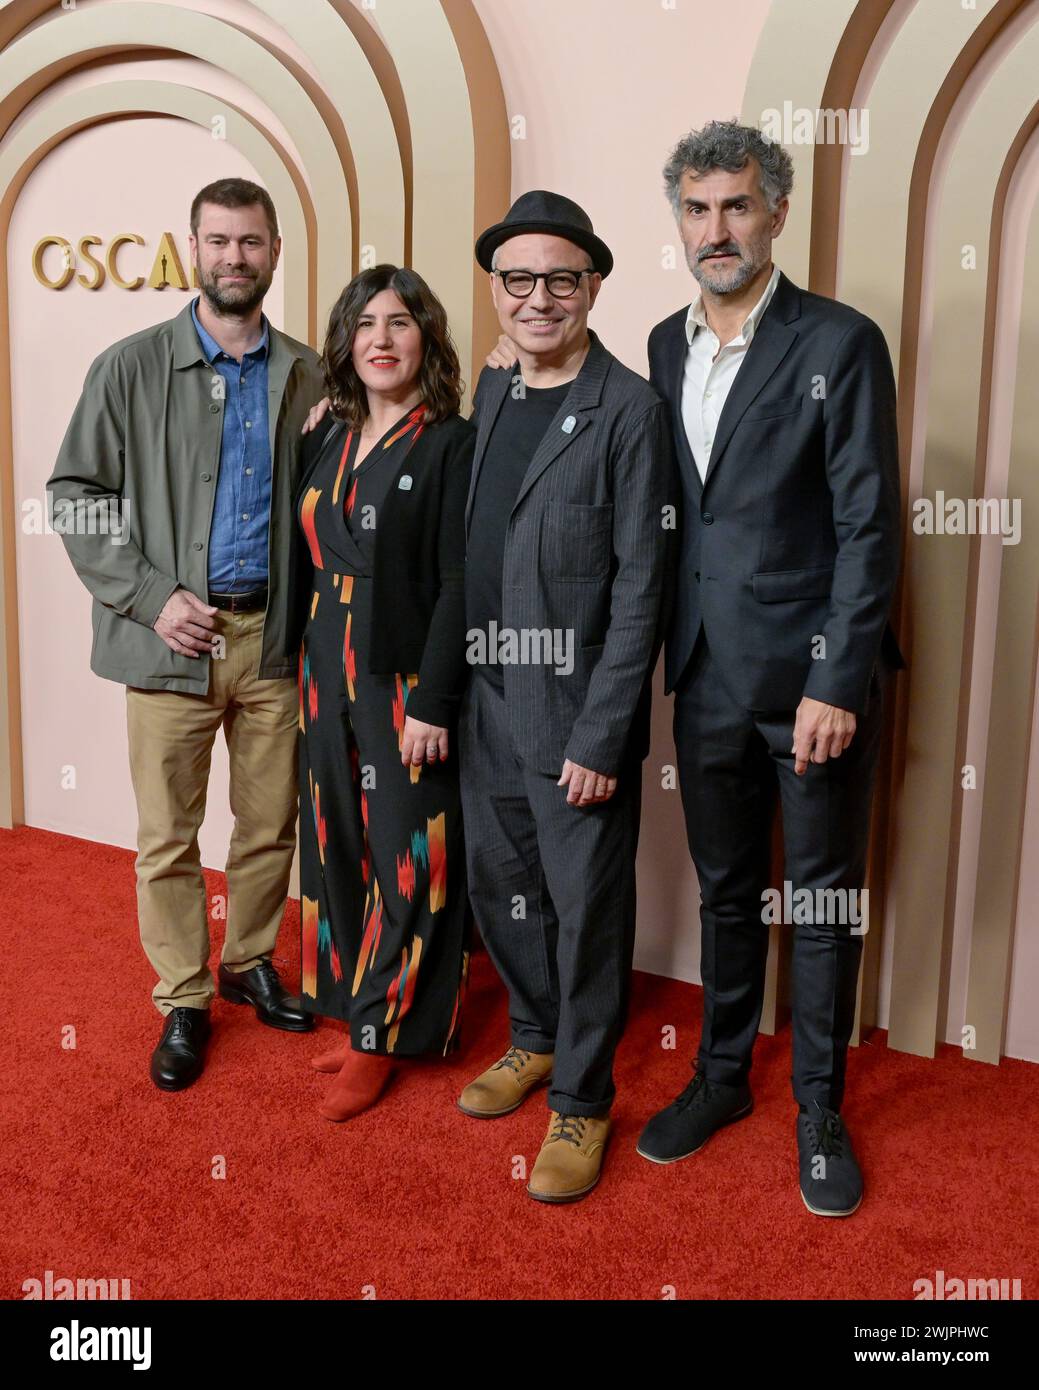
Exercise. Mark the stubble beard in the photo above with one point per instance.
(756, 255)
(236, 300)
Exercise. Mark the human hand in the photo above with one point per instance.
(316, 414)
(821, 731)
(422, 743)
(503, 354)
(585, 786)
(186, 624)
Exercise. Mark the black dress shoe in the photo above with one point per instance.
(831, 1181)
(690, 1120)
(181, 1054)
(261, 988)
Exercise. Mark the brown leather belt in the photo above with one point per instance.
(240, 603)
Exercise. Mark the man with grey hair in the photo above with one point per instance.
(783, 411)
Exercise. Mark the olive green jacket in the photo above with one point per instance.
(133, 489)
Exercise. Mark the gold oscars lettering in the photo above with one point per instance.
(89, 268)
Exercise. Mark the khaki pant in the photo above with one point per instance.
(171, 739)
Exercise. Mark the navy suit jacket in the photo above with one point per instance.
(791, 544)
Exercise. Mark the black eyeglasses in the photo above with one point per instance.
(561, 284)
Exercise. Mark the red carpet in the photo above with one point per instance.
(106, 1177)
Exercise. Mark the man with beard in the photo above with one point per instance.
(191, 429)
(783, 410)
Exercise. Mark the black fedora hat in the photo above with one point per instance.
(539, 211)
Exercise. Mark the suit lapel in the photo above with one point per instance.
(584, 394)
(772, 341)
(492, 388)
(553, 442)
(676, 350)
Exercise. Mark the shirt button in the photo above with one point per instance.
(214, 409)
(248, 471)
(248, 424)
(241, 563)
(205, 477)
(197, 545)
(707, 518)
(245, 516)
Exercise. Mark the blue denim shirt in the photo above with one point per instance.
(242, 507)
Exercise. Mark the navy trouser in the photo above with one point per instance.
(732, 764)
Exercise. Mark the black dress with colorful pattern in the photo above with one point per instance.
(382, 882)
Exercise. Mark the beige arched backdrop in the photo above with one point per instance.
(383, 134)
(351, 96)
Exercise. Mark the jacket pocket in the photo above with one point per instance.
(576, 541)
(779, 586)
(567, 690)
(137, 652)
(774, 409)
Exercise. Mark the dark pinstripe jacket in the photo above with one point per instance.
(588, 551)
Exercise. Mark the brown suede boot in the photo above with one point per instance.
(361, 1081)
(570, 1160)
(506, 1085)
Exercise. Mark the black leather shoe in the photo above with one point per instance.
(831, 1182)
(690, 1120)
(261, 988)
(181, 1054)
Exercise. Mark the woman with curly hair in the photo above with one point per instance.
(382, 670)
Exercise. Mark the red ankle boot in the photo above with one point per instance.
(333, 1059)
(361, 1081)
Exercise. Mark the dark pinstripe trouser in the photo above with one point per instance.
(553, 892)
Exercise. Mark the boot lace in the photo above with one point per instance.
(698, 1092)
(515, 1060)
(569, 1128)
(826, 1134)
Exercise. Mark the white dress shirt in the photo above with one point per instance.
(710, 371)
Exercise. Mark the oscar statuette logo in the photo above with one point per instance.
(81, 265)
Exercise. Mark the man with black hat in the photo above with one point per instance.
(569, 524)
